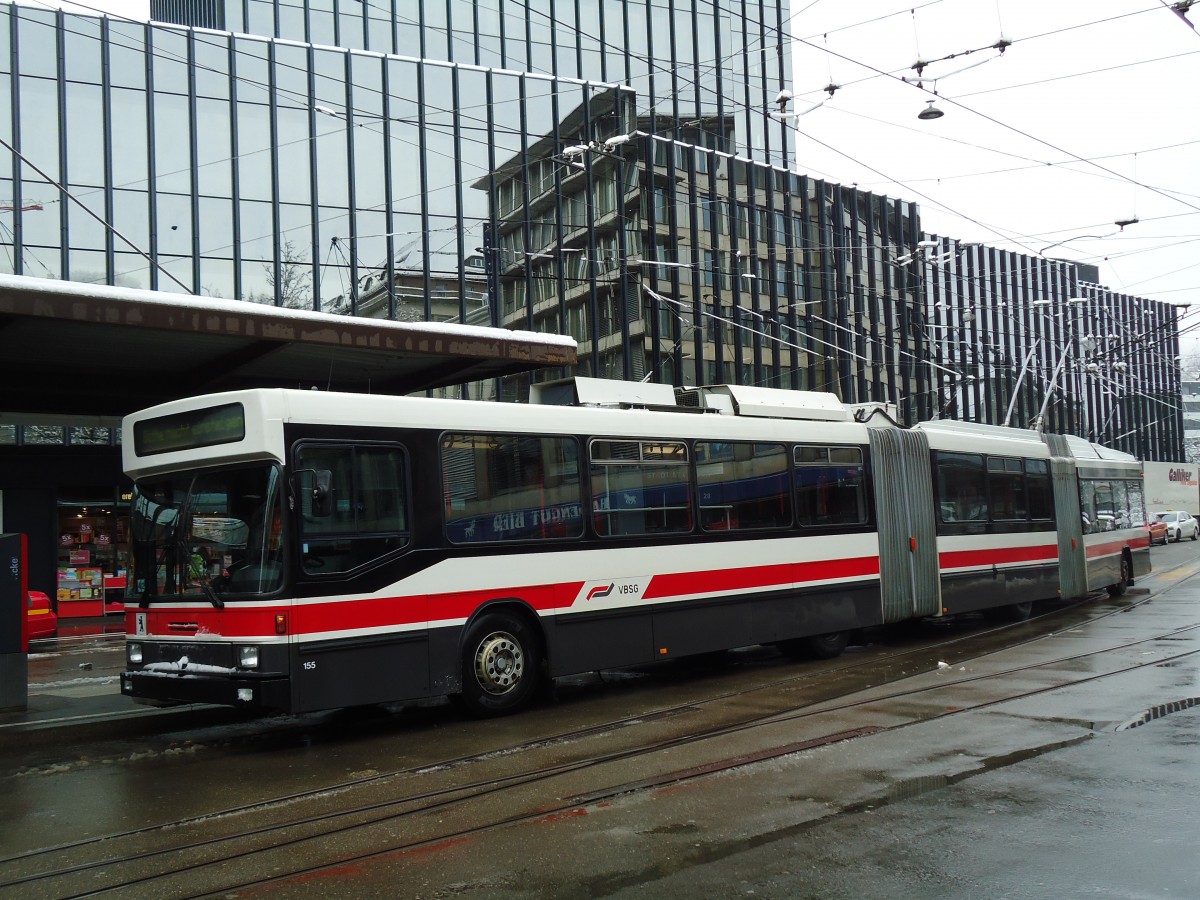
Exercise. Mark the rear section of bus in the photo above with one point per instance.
(1112, 515)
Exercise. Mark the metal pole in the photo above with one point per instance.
(1038, 422)
(1017, 387)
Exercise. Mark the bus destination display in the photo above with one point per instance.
(189, 430)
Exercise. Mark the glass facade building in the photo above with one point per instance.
(1018, 339)
(615, 170)
(606, 170)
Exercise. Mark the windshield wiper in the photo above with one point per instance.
(212, 595)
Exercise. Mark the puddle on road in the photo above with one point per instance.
(915, 787)
(1157, 712)
(925, 784)
(674, 828)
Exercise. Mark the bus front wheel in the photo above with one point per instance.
(501, 664)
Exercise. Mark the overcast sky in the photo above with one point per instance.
(1088, 118)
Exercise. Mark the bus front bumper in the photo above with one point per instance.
(159, 688)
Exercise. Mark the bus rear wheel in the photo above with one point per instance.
(821, 646)
(1013, 612)
(1116, 590)
(501, 665)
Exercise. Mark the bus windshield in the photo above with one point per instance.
(209, 533)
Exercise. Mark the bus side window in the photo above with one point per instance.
(830, 486)
(961, 487)
(640, 487)
(742, 486)
(1041, 495)
(1087, 506)
(367, 510)
(1137, 502)
(503, 487)
(1006, 489)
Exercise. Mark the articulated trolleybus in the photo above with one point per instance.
(300, 550)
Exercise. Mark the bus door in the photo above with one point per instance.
(357, 640)
(908, 561)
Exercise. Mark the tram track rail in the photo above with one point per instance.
(304, 831)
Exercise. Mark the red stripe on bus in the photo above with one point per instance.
(345, 615)
(242, 622)
(393, 611)
(784, 575)
(1111, 548)
(995, 556)
(203, 624)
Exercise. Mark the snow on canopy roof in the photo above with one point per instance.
(85, 291)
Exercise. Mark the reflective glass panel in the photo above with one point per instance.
(82, 56)
(126, 54)
(85, 131)
(215, 169)
(170, 62)
(442, 194)
(172, 143)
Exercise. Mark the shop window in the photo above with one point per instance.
(93, 556)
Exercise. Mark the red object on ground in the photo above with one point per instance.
(42, 620)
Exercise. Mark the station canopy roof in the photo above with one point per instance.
(69, 350)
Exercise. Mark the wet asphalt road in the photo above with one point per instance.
(1004, 773)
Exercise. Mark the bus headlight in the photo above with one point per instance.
(248, 657)
(134, 654)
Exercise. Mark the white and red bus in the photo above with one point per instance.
(301, 550)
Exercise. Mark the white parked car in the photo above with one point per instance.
(1180, 525)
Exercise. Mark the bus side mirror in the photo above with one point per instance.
(322, 492)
